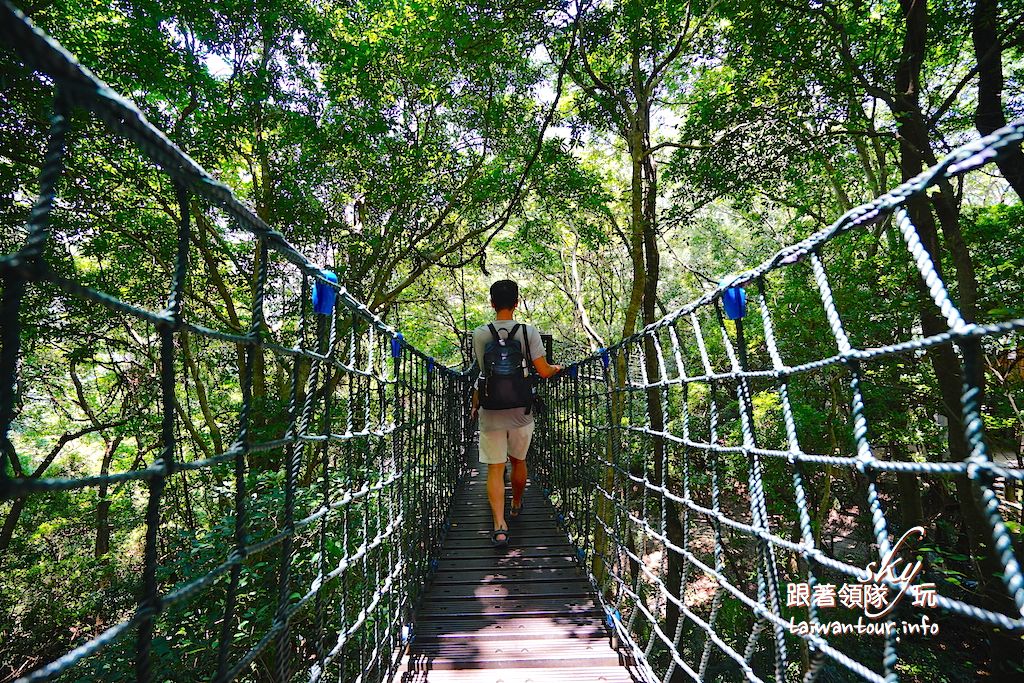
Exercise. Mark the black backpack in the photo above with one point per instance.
(506, 376)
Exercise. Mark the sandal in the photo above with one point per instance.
(513, 510)
(503, 541)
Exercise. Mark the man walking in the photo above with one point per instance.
(504, 351)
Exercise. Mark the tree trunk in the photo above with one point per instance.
(605, 508)
(11, 522)
(637, 238)
(103, 526)
(915, 153)
(911, 508)
(192, 366)
(989, 115)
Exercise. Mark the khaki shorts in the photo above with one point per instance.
(497, 446)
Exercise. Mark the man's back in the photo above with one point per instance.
(509, 418)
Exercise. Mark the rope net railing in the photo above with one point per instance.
(678, 464)
(333, 491)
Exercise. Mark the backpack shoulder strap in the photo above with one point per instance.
(528, 367)
(494, 332)
(529, 356)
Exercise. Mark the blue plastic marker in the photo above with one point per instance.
(396, 345)
(734, 300)
(323, 294)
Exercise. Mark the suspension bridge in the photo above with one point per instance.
(386, 575)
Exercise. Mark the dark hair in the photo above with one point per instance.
(504, 294)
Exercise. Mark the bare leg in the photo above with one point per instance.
(496, 494)
(518, 481)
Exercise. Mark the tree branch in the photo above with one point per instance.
(65, 440)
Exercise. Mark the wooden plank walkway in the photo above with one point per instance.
(521, 614)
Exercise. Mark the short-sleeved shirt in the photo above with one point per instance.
(510, 418)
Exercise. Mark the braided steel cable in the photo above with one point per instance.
(610, 410)
(379, 421)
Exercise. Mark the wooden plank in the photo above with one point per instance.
(532, 675)
(483, 522)
(520, 530)
(510, 629)
(452, 609)
(484, 517)
(471, 491)
(475, 507)
(532, 501)
(497, 654)
(540, 538)
(507, 561)
(563, 589)
(483, 528)
(510, 575)
(480, 482)
(512, 550)
(514, 538)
